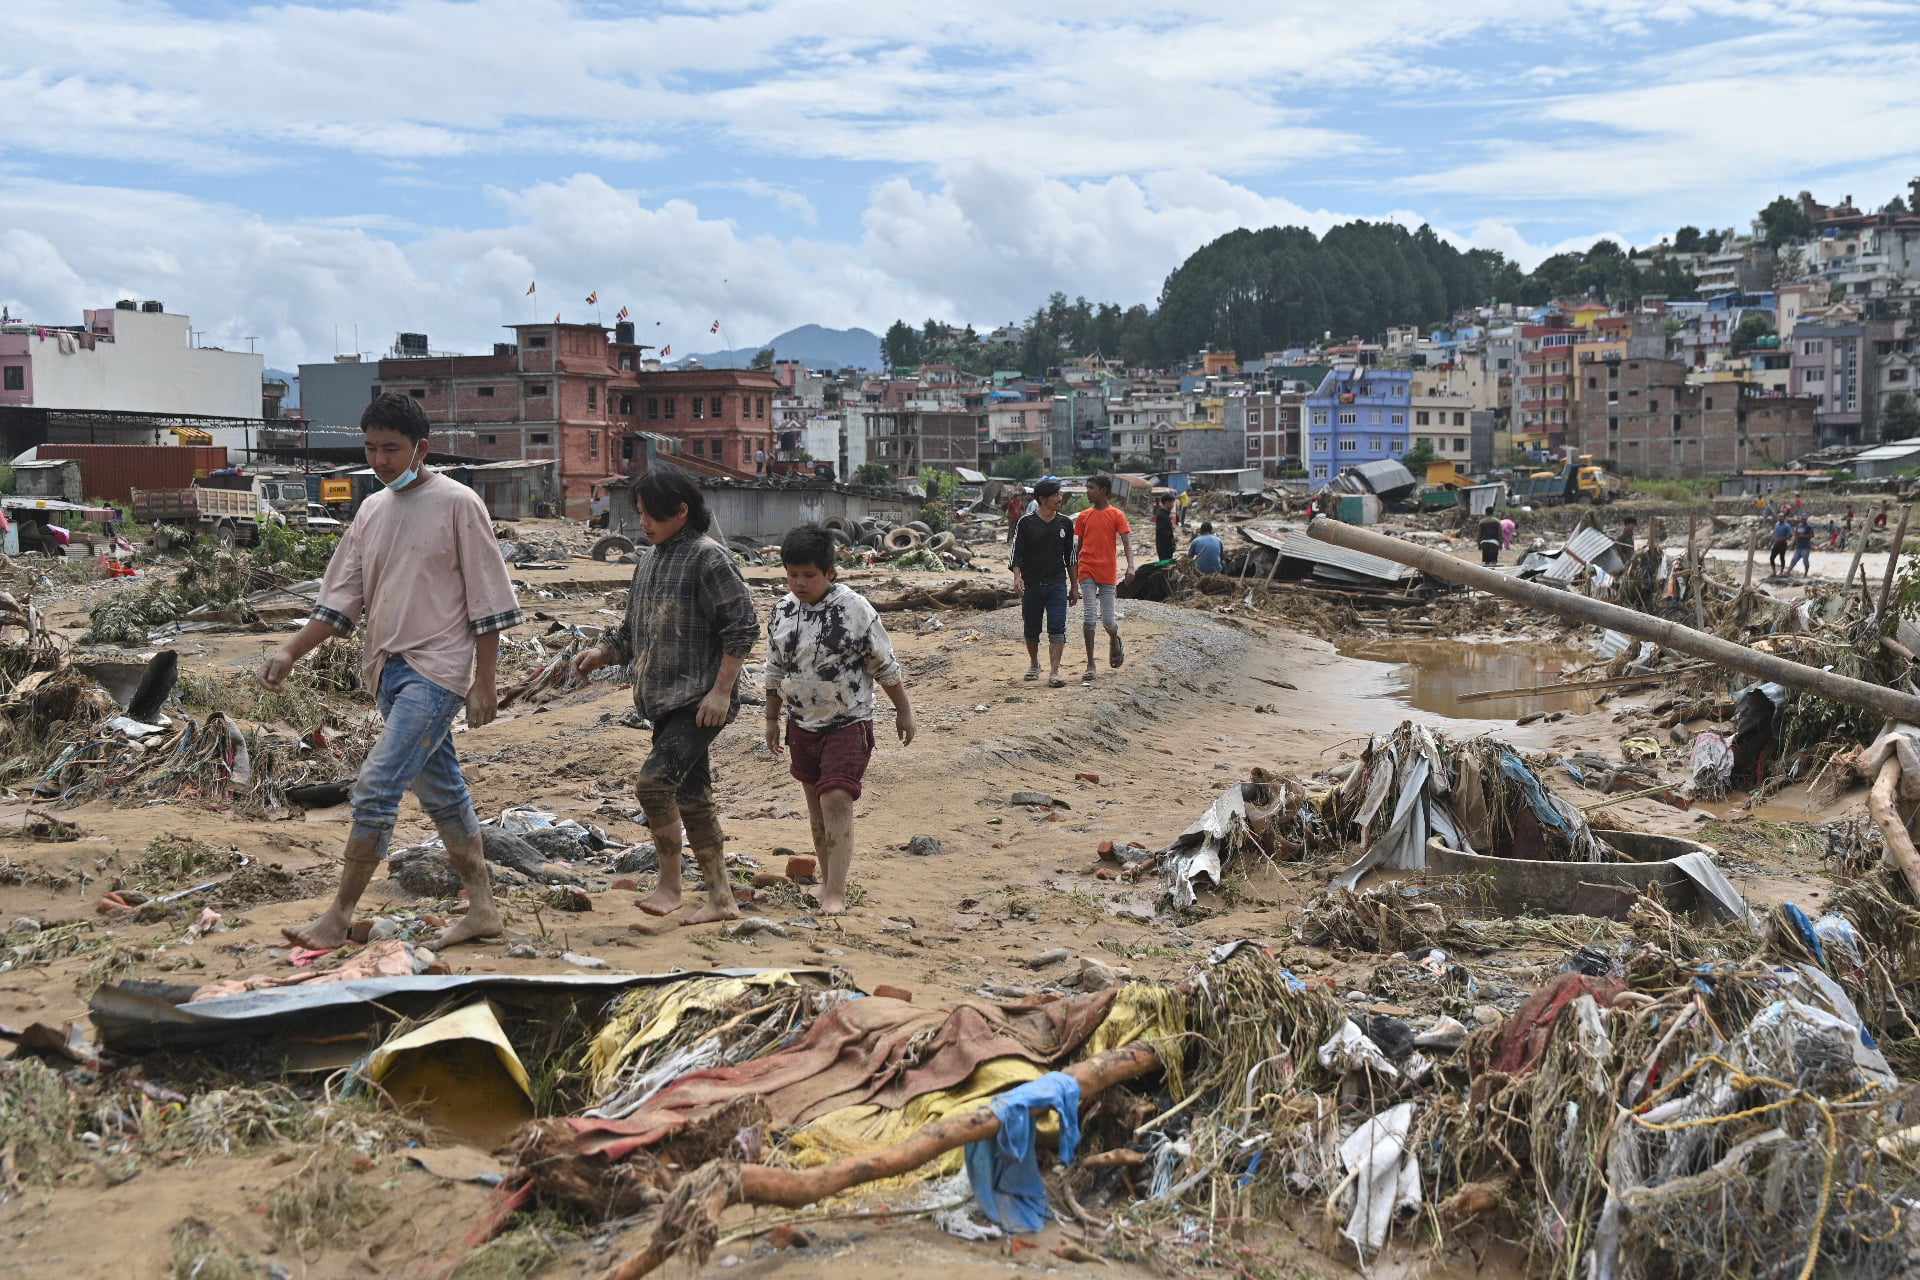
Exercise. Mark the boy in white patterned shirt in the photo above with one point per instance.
(826, 649)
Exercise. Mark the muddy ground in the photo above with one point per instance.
(1207, 694)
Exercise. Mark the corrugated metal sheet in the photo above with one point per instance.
(1589, 546)
(1358, 564)
(1385, 476)
(114, 471)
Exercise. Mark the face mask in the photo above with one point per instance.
(406, 477)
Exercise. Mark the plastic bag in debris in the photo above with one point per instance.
(521, 819)
(1386, 1177)
(1349, 1049)
(1841, 939)
(1005, 1170)
(1711, 764)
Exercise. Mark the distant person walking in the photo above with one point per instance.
(1833, 534)
(1163, 545)
(1097, 530)
(1489, 541)
(1209, 553)
(1802, 546)
(1016, 507)
(1043, 577)
(1782, 536)
(1507, 531)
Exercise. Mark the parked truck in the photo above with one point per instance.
(1577, 479)
(231, 516)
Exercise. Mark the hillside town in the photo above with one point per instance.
(560, 810)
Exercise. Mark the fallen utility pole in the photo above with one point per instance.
(1894, 704)
(705, 1193)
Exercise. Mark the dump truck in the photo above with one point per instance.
(1577, 479)
(231, 516)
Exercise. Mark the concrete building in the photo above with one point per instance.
(1543, 396)
(908, 441)
(1018, 426)
(1742, 264)
(1355, 415)
(1205, 446)
(720, 415)
(1645, 419)
(1139, 426)
(1442, 417)
(334, 394)
(1080, 426)
(1273, 431)
(1833, 361)
(133, 359)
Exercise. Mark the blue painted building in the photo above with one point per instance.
(1357, 415)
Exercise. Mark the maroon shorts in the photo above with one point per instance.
(831, 759)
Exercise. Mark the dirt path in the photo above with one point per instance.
(1200, 702)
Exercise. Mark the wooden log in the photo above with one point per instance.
(1883, 802)
(794, 1188)
(1893, 564)
(1697, 575)
(1753, 543)
(1610, 682)
(1893, 704)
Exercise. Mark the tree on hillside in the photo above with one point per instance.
(1895, 205)
(901, 345)
(1687, 240)
(762, 359)
(873, 473)
(1785, 220)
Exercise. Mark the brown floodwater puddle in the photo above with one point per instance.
(1434, 675)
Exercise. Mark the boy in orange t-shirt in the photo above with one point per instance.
(1095, 532)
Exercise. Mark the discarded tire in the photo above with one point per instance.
(611, 546)
(940, 542)
(836, 523)
(920, 527)
(839, 536)
(905, 539)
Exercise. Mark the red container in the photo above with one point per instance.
(113, 471)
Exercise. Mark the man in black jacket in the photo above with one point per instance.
(1043, 575)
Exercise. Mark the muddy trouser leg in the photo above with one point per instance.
(675, 789)
(419, 723)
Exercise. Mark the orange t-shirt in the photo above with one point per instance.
(1097, 528)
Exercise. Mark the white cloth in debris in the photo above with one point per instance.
(1350, 1049)
(824, 659)
(1387, 1178)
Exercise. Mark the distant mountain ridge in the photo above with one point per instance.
(813, 345)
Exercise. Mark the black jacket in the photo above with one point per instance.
(1043, 549)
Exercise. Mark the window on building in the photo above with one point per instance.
(1815, 375)
(535, 389)
(718, 406)
(626, 406)
(13, 378)
(536, 340)
(1320, 444)
(1348, 444)
(1893, 375)
(1613, 424)
(699, 407)
(1373, 442)
(1593, 383)
(1459, 444)
(671, 401)
(1709, 402)
(489, 439)
(1319, 417)
(1613, 397)
(485, 393)
(376, 392)
(1348, 417)
(593, 444)
(593, 396)
(626, 362)
(540, 437)
(418, 393)
(760, 407)
(1501, 366)
(1813, 347)
(1398, 419)
(653, 408)
(1653, 405)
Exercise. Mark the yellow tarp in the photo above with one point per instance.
(650, 1015)
(461, 1073)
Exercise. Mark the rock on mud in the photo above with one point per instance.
(425, 873)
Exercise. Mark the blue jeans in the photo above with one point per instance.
(1048, 599)
(415, 750)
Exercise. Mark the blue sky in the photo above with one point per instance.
(280, 170)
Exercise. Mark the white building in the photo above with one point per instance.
(128, 360)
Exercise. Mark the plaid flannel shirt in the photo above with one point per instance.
(688, 608)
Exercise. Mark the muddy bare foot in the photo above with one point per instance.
(833, 904)
(330, 930)
(711, 913)
(661, 902)
(469, 928)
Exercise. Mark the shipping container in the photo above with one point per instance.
(113, 471)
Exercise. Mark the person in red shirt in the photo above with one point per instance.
(1096, 531)
(1016, 507)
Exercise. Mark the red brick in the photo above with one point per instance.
(886, 992)
(1087, 777)
(626, 882)
(1105, 873)
(802, 869)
